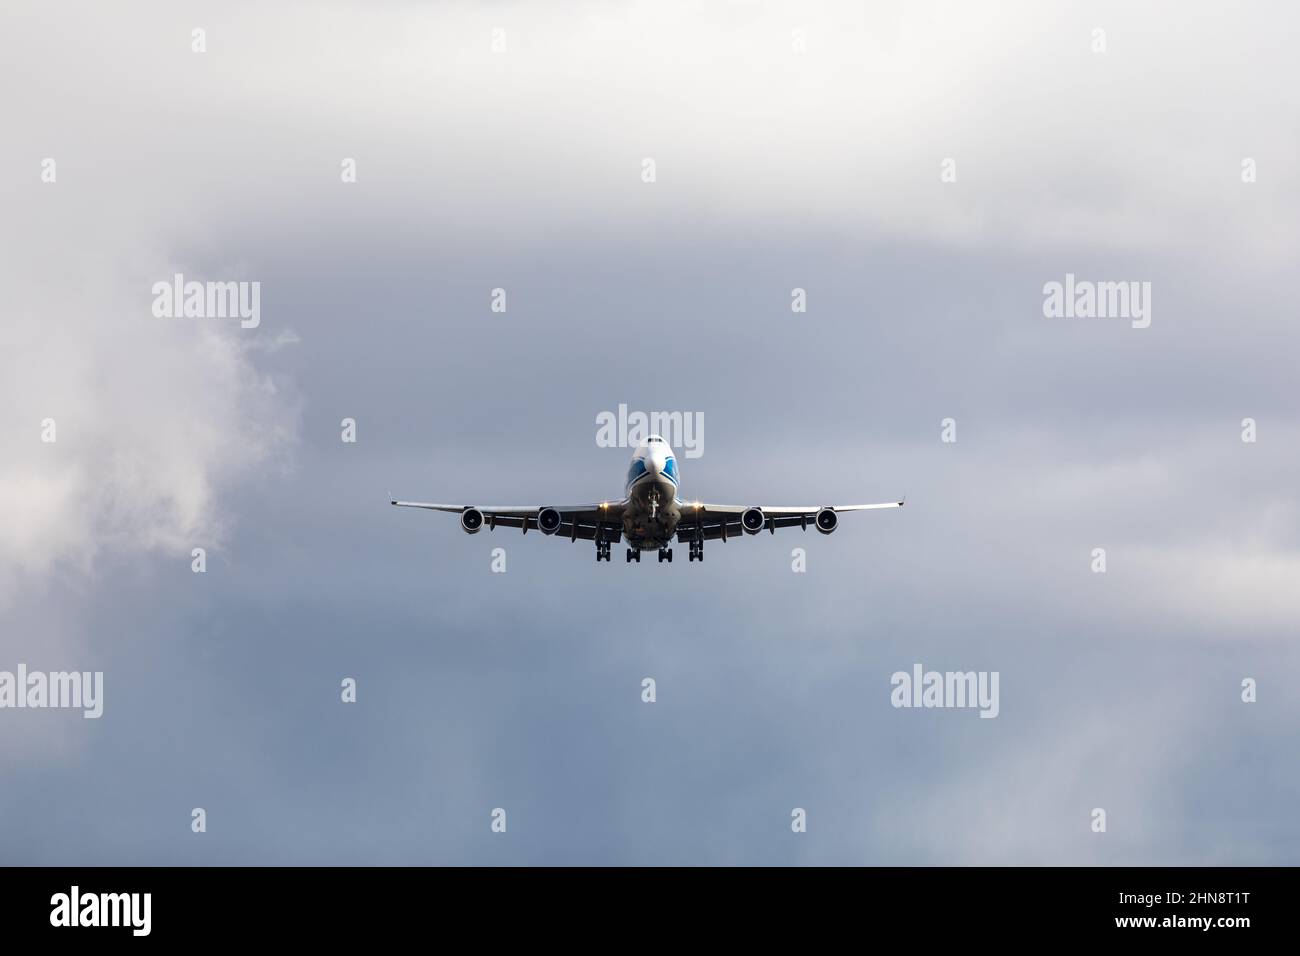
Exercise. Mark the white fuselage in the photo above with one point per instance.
(651, 515)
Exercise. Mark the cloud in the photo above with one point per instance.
(775, 169)
(1056, 147)
(153, 418)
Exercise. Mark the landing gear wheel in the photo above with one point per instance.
(697, 551)
(633, 554)
(602, 550)
(665, 554)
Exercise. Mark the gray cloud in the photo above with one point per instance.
(522, 690)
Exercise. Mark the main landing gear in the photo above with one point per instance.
(697, 551)
(634, 554)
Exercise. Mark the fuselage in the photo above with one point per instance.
(651, 515)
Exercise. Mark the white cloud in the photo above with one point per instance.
(153, 417)
(1136, 148)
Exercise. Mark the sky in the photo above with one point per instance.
(920, 170)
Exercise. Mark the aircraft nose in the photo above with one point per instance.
(654, 461)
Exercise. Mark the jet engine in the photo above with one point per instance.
(548, 521)
(471, 519)
(827, 520)
(752, 520)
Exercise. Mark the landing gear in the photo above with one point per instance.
(697, 551)
(665, 554)
(602, 550)
(633, 554)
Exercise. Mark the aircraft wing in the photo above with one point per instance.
(576, 521)
(711, 521)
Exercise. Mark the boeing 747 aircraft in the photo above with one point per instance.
(650, 514)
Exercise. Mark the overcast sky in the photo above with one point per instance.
(775, 169)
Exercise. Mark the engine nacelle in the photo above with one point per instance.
(548, 521)
(471, 519)
(752, 520)
(827, 520)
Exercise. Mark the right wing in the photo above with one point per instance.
(723, 521)
(576, 521)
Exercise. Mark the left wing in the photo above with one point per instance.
(708, 521)
(576, 521)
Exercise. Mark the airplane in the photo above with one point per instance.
(650, 514)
